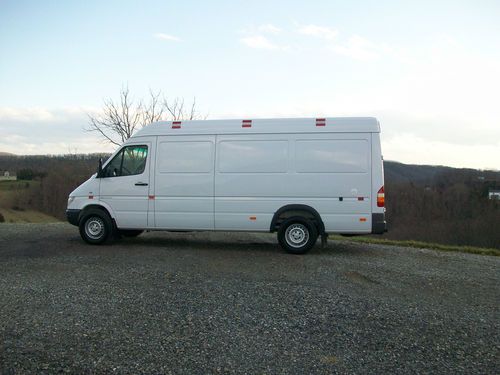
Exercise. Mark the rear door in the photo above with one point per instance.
(125, 185)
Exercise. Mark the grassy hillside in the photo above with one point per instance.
(12, 207)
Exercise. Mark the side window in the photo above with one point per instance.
(131, 160)
(114, 166)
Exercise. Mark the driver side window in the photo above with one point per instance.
(131, 160)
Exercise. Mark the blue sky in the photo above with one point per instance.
(430, 71)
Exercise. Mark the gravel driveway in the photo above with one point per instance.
(198, 303)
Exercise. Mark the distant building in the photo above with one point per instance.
(5, 176)
(494, 194)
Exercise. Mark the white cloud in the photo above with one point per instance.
(167, 37)
(355, 47)
(26, 114)
(450, 83)
(40, 131)
(360, 48)
(87, 145)
(408, 148)
(269, 28)
(319, 32)
(258, 41)
(40, 114)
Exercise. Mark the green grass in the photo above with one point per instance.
(421, 244)
(14, 185)
(26, 216)
(9, 192)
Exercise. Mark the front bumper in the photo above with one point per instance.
(72, 216)
(379, 225)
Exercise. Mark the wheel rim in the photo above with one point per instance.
(297, 235)
(94, 228)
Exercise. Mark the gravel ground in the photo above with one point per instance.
(198, 303)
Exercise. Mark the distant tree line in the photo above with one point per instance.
(56, 177)
(442, 204)
(437, 204)
(28, 174)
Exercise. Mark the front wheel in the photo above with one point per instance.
(95, 226)
(297, 235)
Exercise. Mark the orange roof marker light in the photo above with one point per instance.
(320, 122)
(176, 124)
(246, 123)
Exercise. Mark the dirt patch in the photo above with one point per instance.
(360, 278)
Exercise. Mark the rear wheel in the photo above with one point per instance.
(297, 235)
(95, 226)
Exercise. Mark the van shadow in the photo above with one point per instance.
(200, 242)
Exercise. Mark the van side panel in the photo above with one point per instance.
(256, 175)
(184, 182)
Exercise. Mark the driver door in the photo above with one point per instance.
(125, 185)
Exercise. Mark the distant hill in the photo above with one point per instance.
(6, 154)
(396, 172)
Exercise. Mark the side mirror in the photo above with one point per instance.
(99, 169)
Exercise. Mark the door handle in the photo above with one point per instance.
(141, 184)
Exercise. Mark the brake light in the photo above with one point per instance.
(381, 197)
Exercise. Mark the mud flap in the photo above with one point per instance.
(324, 239)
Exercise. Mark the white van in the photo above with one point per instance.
(300, 178)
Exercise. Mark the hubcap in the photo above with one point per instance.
(94, 228)
(296, 235)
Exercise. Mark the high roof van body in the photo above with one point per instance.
(301, 178)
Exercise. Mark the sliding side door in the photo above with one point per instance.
(184, 182)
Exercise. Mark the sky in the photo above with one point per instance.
(428, 70)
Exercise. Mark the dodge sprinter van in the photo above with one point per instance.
(301, 178)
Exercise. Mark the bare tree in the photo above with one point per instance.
(178, 111)
(119, 120)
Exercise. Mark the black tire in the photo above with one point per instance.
(130, 232)
(297, 235)
(95, 226)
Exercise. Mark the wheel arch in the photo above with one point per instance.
(297, 210)
(101, 207)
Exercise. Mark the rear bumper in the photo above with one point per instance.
(379, 225)
(72, 216)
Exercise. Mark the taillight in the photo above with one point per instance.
(381, 197)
